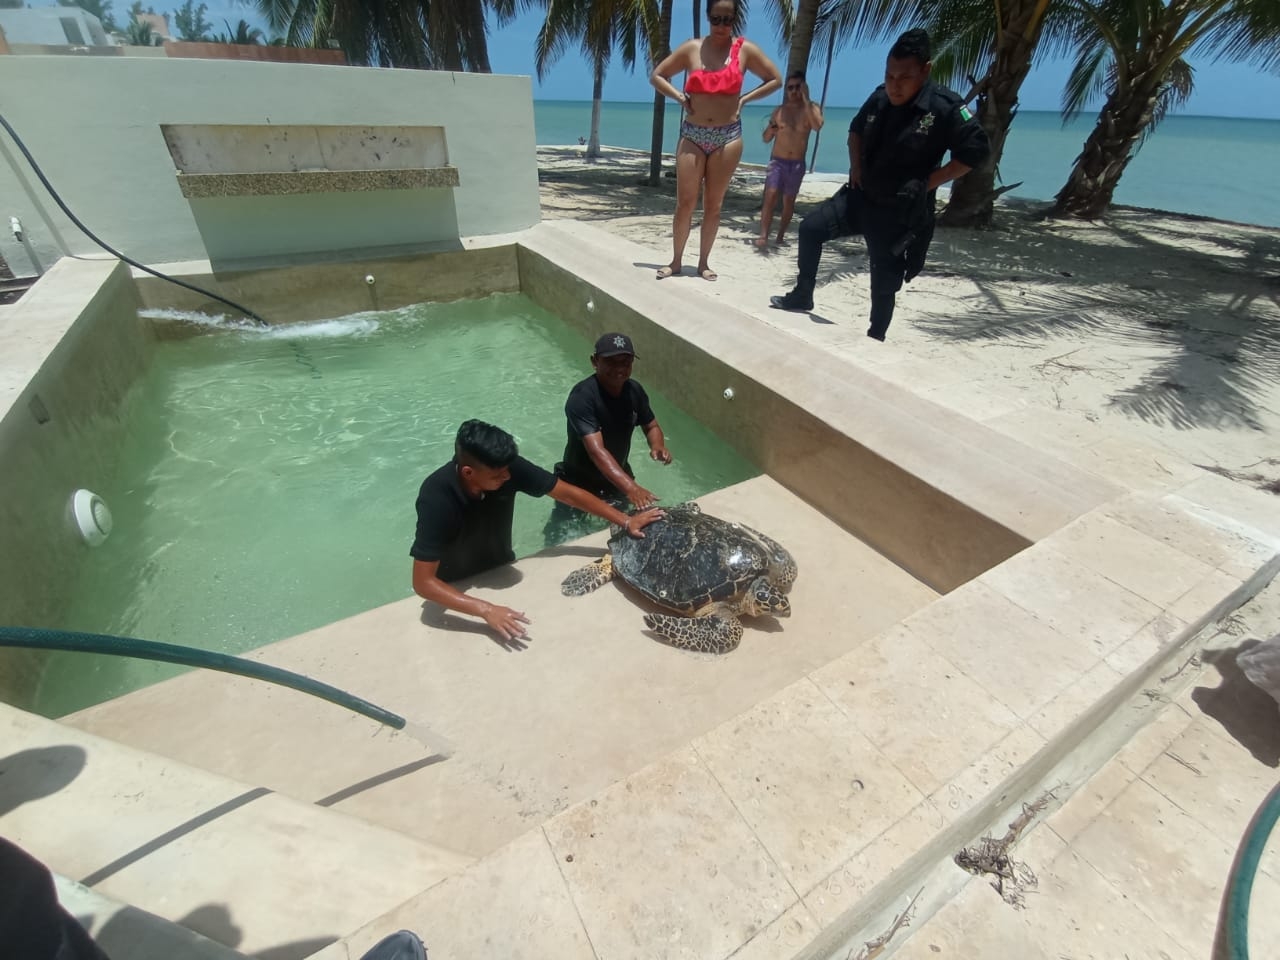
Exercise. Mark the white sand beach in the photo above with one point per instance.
(1150, 330)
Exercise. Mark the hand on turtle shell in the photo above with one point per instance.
(638, 521)
(507, 622)
(641, 498)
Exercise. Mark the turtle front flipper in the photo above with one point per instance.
(710, 634)
(591, 577)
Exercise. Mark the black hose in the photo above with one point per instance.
(31, 638)
(116, 253)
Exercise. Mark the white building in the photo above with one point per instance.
(53, 26)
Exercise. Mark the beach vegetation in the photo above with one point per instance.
(421, 34)
(189, 21)
(1136, 54)
(242, 35)
(598, 28)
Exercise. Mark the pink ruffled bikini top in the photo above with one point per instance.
(728, 79)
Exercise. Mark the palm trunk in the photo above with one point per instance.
(802, 35)
(1114, 139)
(662, 45)
(597, 95)
(477, 37)
(973, 196)
(822, 101)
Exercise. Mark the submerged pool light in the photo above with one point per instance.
(92, 518)
(369, 279)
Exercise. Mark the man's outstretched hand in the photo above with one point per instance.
(638, 521)
(510, 624)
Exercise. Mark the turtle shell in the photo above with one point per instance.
(690, 559)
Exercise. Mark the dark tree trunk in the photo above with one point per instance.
(597, 95)
(1117, 134)
(973, 195)
(662, 49)
(802, 36)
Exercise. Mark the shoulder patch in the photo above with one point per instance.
(964, 113)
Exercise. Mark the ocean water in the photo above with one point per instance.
(1213, 166)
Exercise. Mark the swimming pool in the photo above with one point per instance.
(267, 476)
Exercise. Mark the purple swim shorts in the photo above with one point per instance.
(784, 175)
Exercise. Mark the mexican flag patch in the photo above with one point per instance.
(964, 113)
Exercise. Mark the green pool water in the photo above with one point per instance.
(268, 477)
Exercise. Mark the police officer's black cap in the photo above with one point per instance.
(614, 345)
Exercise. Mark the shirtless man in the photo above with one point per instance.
(789, 128)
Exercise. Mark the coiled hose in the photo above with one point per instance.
(1232, 939)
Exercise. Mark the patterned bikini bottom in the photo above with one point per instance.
(711, 139)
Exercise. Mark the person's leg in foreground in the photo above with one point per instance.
(790, 190)
(720, 167)
(829, 221)
(691, 164)
(772, 189)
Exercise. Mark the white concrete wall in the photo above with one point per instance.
(93, 125)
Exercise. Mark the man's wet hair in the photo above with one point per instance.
(796, 75)
(913, 43)
(482, 444)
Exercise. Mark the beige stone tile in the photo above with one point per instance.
(1163, 860)
(1239, 501)
(662, 865)
(1090, 799)
(1173, 520)
(514, 903)
(1166, 724)
(848, 883)
(1135, 465)
(1021, 660)
(811, 787)
(785, 937)
(1213, 779)
(1066, 707)
(1153, 570)
(1082, 604)
(1071, 912)
(927, 716)
(980, 778)
(1213, 597)
(1163, 629)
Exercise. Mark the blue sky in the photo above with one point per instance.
(854, 74)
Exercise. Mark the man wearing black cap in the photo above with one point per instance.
(465, 510)
(602, 412)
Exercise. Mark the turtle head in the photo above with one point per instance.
(768, 599)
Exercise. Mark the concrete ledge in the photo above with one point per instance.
(203, 185)
(239, 865)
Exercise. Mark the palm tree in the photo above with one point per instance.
(598, 26)
(242, 35)
(1003, 35)
(139, 34)
(659, 49)
(426, 34)
(1135, 52)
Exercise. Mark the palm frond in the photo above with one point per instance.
(1173, 95)
(1090, 77)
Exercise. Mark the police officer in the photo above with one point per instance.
(896, 143)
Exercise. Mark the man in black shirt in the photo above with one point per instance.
(896, 143)
(602, 412)
(465, 511)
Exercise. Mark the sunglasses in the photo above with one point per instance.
(721, 21)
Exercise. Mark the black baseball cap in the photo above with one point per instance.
(614, 345)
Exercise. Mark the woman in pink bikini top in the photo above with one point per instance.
(711, 132)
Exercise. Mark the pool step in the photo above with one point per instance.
(127, 933)
(246, 868)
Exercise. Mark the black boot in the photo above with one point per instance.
(795, 300)
(881, 315)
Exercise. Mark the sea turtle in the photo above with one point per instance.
(709, 570)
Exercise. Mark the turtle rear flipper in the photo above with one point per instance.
(591, 577)
(709, 634)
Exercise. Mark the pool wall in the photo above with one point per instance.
(242, 187)
(941, 496)
(72, 348)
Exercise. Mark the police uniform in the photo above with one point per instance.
(900, 148)
(470, 535)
